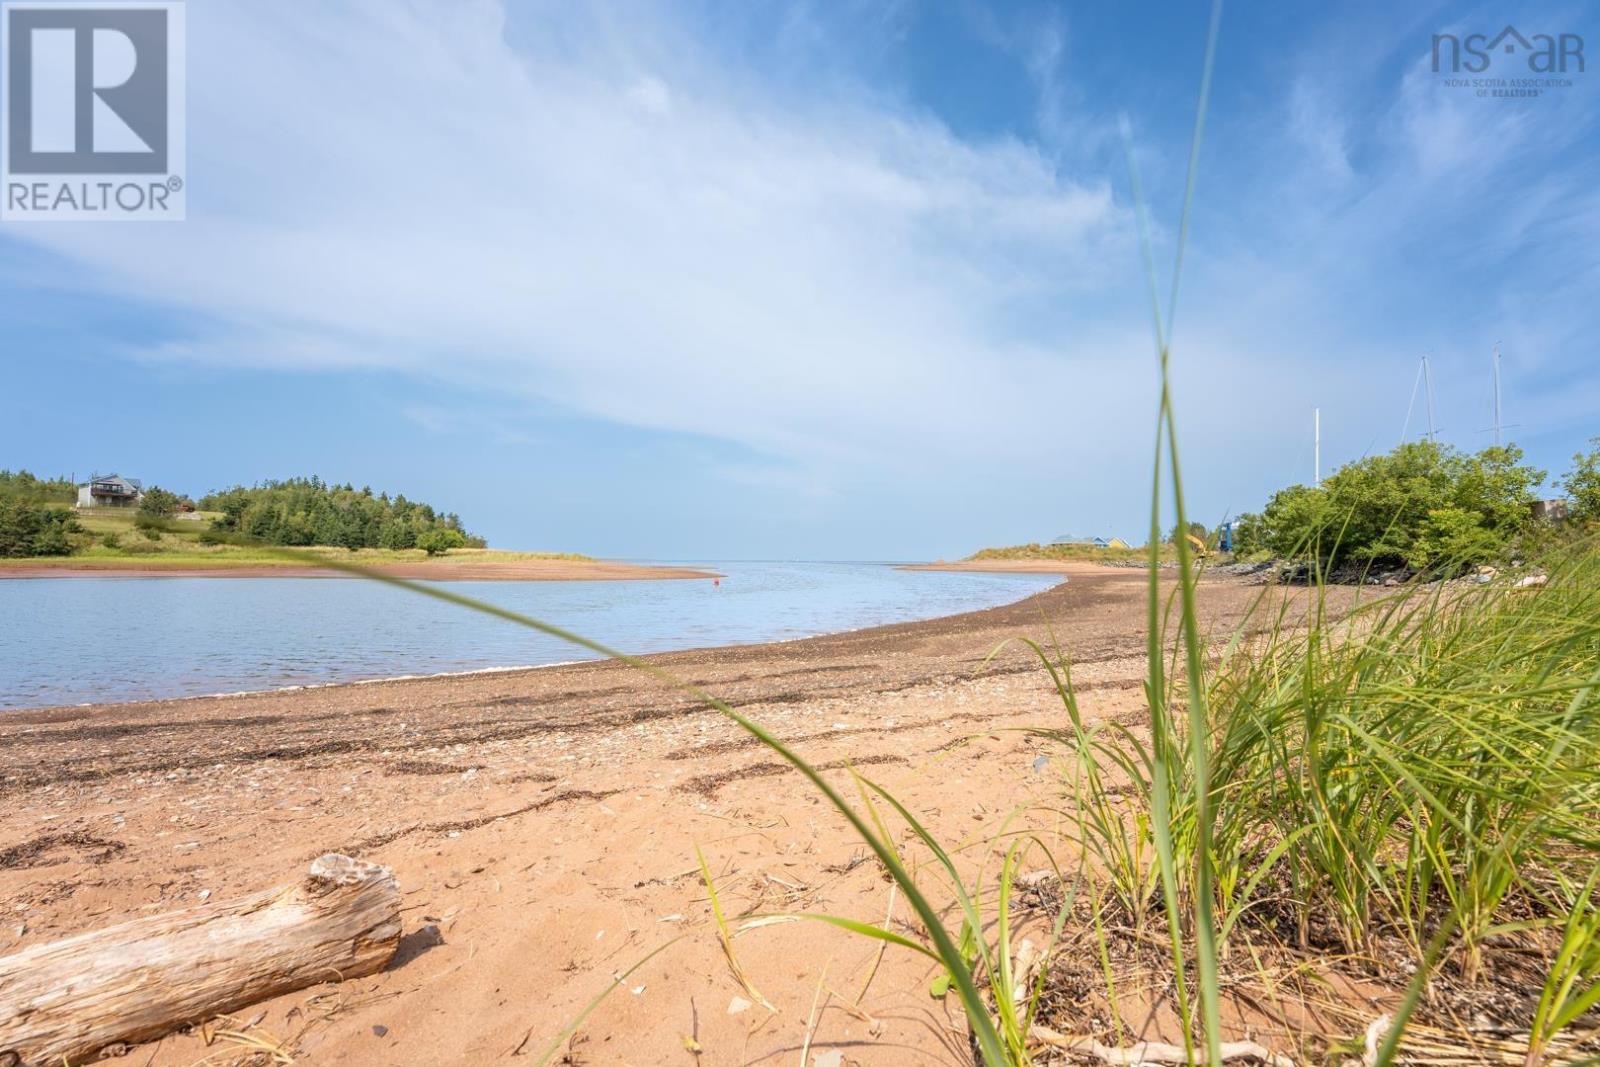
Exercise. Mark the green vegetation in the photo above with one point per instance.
(32, 529)
(158, 503)
(24, 486)
(1582, 484)
(307, 511)
(1416, 783)
(38, 521)
(1422, 506)
(438, 542)
(1066, 552)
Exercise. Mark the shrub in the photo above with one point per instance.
(438, 542)
(111, 540)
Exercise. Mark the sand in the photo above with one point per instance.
(440, 570)
(543, 827)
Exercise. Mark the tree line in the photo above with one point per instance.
(308, 511)
(36, 517)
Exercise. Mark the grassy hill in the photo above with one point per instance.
(1084, 552)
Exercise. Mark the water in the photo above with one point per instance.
(90, 640)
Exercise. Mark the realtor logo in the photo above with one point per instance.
(92, 119)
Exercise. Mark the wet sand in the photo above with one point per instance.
(543, 827)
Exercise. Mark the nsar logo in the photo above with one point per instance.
(1544, 54)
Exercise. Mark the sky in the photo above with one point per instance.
(817, 280)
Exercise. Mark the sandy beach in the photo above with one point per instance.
(543, 827)
(441, 570)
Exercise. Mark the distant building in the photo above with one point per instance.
(1550, 510)
(1090, 542)
(110, 491)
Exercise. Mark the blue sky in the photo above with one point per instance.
(818, 280)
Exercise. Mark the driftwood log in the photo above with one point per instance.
(66, 1000)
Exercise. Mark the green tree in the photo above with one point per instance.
(1423, 504)
(1582, 484)
(21, 485)
(306, 511)
(30, 529)
(438, 542)
(158, 503)
(1249, 535)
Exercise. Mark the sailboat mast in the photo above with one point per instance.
(1316, 447)
(1497, 394)
(1427, 379)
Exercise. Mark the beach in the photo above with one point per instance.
(543, 826)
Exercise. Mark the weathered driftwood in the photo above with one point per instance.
(67, 1000)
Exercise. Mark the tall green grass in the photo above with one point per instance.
(1418, 778)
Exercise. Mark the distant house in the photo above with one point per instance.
(110, 491)
(1090, 542)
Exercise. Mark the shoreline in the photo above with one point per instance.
(1020, 613)
(933, 622)
(442, 570)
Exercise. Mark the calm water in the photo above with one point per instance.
(80, 640)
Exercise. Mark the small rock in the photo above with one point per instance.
(380, 1030)
(737, 1005)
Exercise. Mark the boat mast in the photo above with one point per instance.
(1316, 447)
(1427, 379)
(1497, 394)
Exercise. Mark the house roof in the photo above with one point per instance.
(117, 479)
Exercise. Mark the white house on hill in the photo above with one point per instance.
(110, 491)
